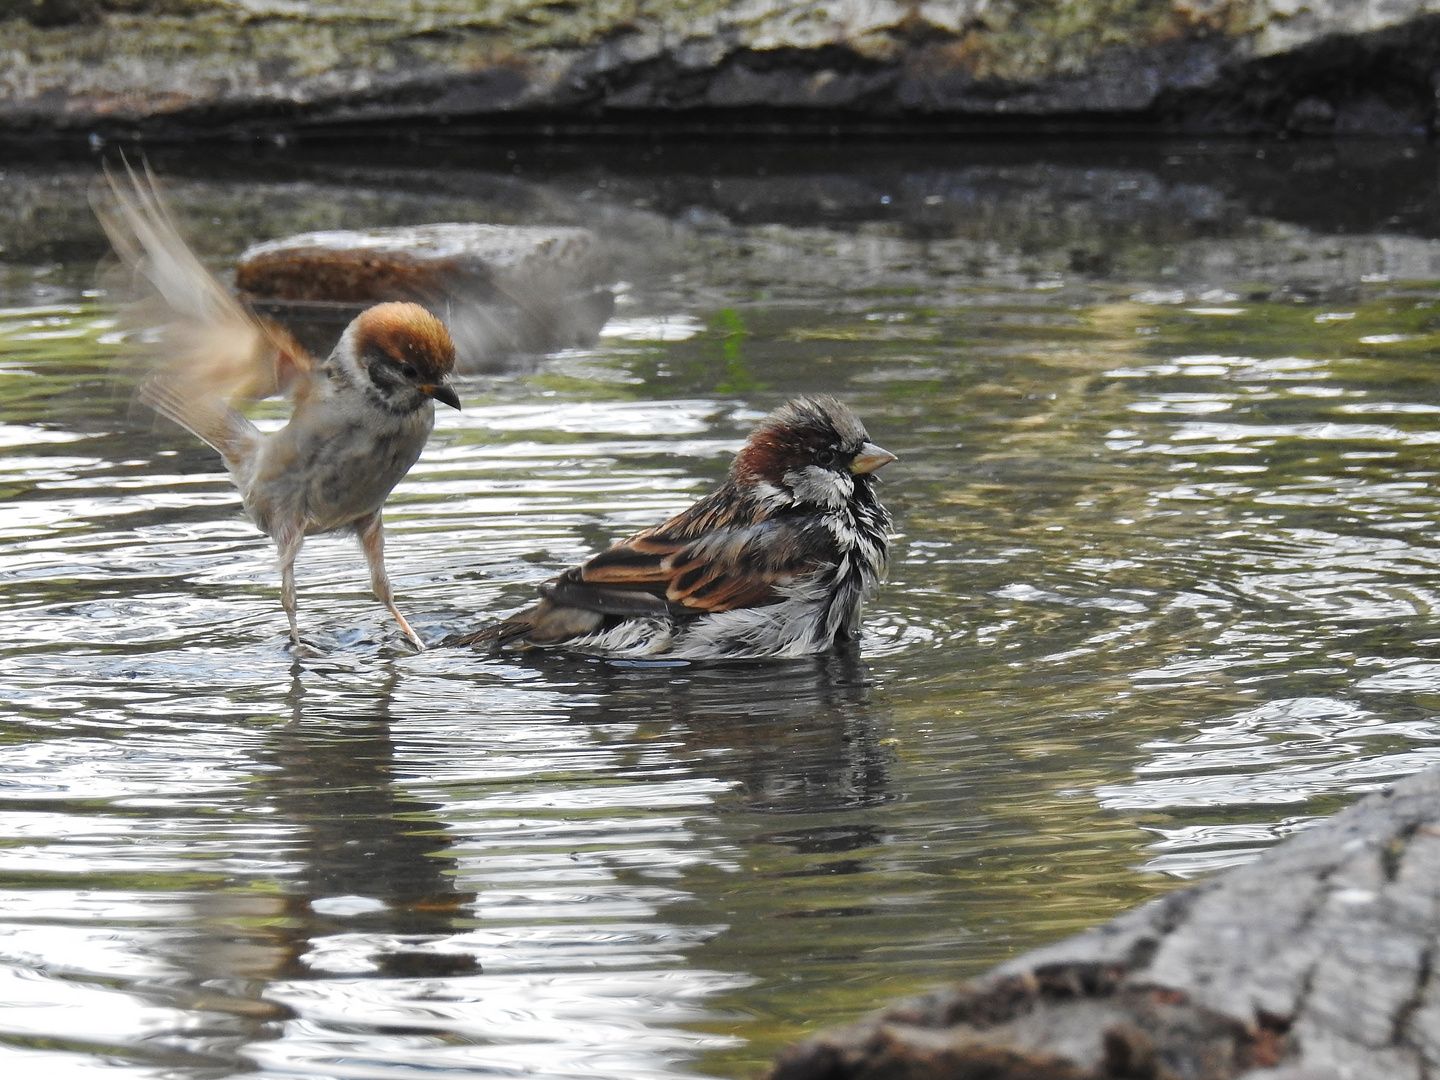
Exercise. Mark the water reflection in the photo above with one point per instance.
(368, 850)
(793, 737)
(418, 900)
(496, 893)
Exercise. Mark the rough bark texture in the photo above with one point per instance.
(179, 65)
(1316, 962)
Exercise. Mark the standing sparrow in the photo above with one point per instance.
(775, 563)
(360, 417)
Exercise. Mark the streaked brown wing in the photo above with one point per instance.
(718, 571)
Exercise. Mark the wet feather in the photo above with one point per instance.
(776, 562)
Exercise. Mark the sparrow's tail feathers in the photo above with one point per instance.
(235, 437)
(495, 635)
(547, 623)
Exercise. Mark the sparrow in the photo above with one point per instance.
(359, 419)
(775, 563)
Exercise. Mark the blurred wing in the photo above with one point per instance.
(725, 568)
(210, 347)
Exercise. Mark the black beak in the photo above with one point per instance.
(443, 393)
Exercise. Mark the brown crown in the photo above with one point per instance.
(411, 335)
(794, 433)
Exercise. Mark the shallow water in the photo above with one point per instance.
(1162, 592)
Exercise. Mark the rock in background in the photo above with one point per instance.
(1200, 65)
(703, 232)
(501, 289)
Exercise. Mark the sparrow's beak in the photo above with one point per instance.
(870, 458)
(441, 392)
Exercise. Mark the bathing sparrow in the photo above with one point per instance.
(360, 417)
(775, 563)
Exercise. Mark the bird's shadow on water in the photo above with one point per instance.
(354, 857)
(797, 736)
(364, 872)
(793, 737)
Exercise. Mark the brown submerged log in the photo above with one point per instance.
(1315, 962)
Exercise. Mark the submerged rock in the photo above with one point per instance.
(502, 289)
(1324, 65)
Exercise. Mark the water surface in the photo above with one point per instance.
(1162, 592)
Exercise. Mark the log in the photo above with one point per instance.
(1315, 962)
(501, 289)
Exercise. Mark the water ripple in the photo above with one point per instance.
(1162, 592)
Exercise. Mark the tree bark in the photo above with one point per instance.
(1315, 962)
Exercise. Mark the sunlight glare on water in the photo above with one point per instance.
(1162, 593)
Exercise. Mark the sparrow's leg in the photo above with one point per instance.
(288, 542)
(372, 540)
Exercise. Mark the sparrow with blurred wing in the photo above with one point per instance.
(360, 417)
(774, 563)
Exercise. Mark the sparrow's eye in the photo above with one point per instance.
(408, 370)
(825, 457)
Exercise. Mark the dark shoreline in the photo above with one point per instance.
(718, 126)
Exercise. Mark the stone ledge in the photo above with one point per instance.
(1216, 65)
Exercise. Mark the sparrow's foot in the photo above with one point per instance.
(405, 627)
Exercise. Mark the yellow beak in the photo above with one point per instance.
(870, 458)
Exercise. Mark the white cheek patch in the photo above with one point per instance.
(821, 487)
(770, 496)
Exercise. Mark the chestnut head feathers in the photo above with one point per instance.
(406, 354)
(809, 451)
(810, 430)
